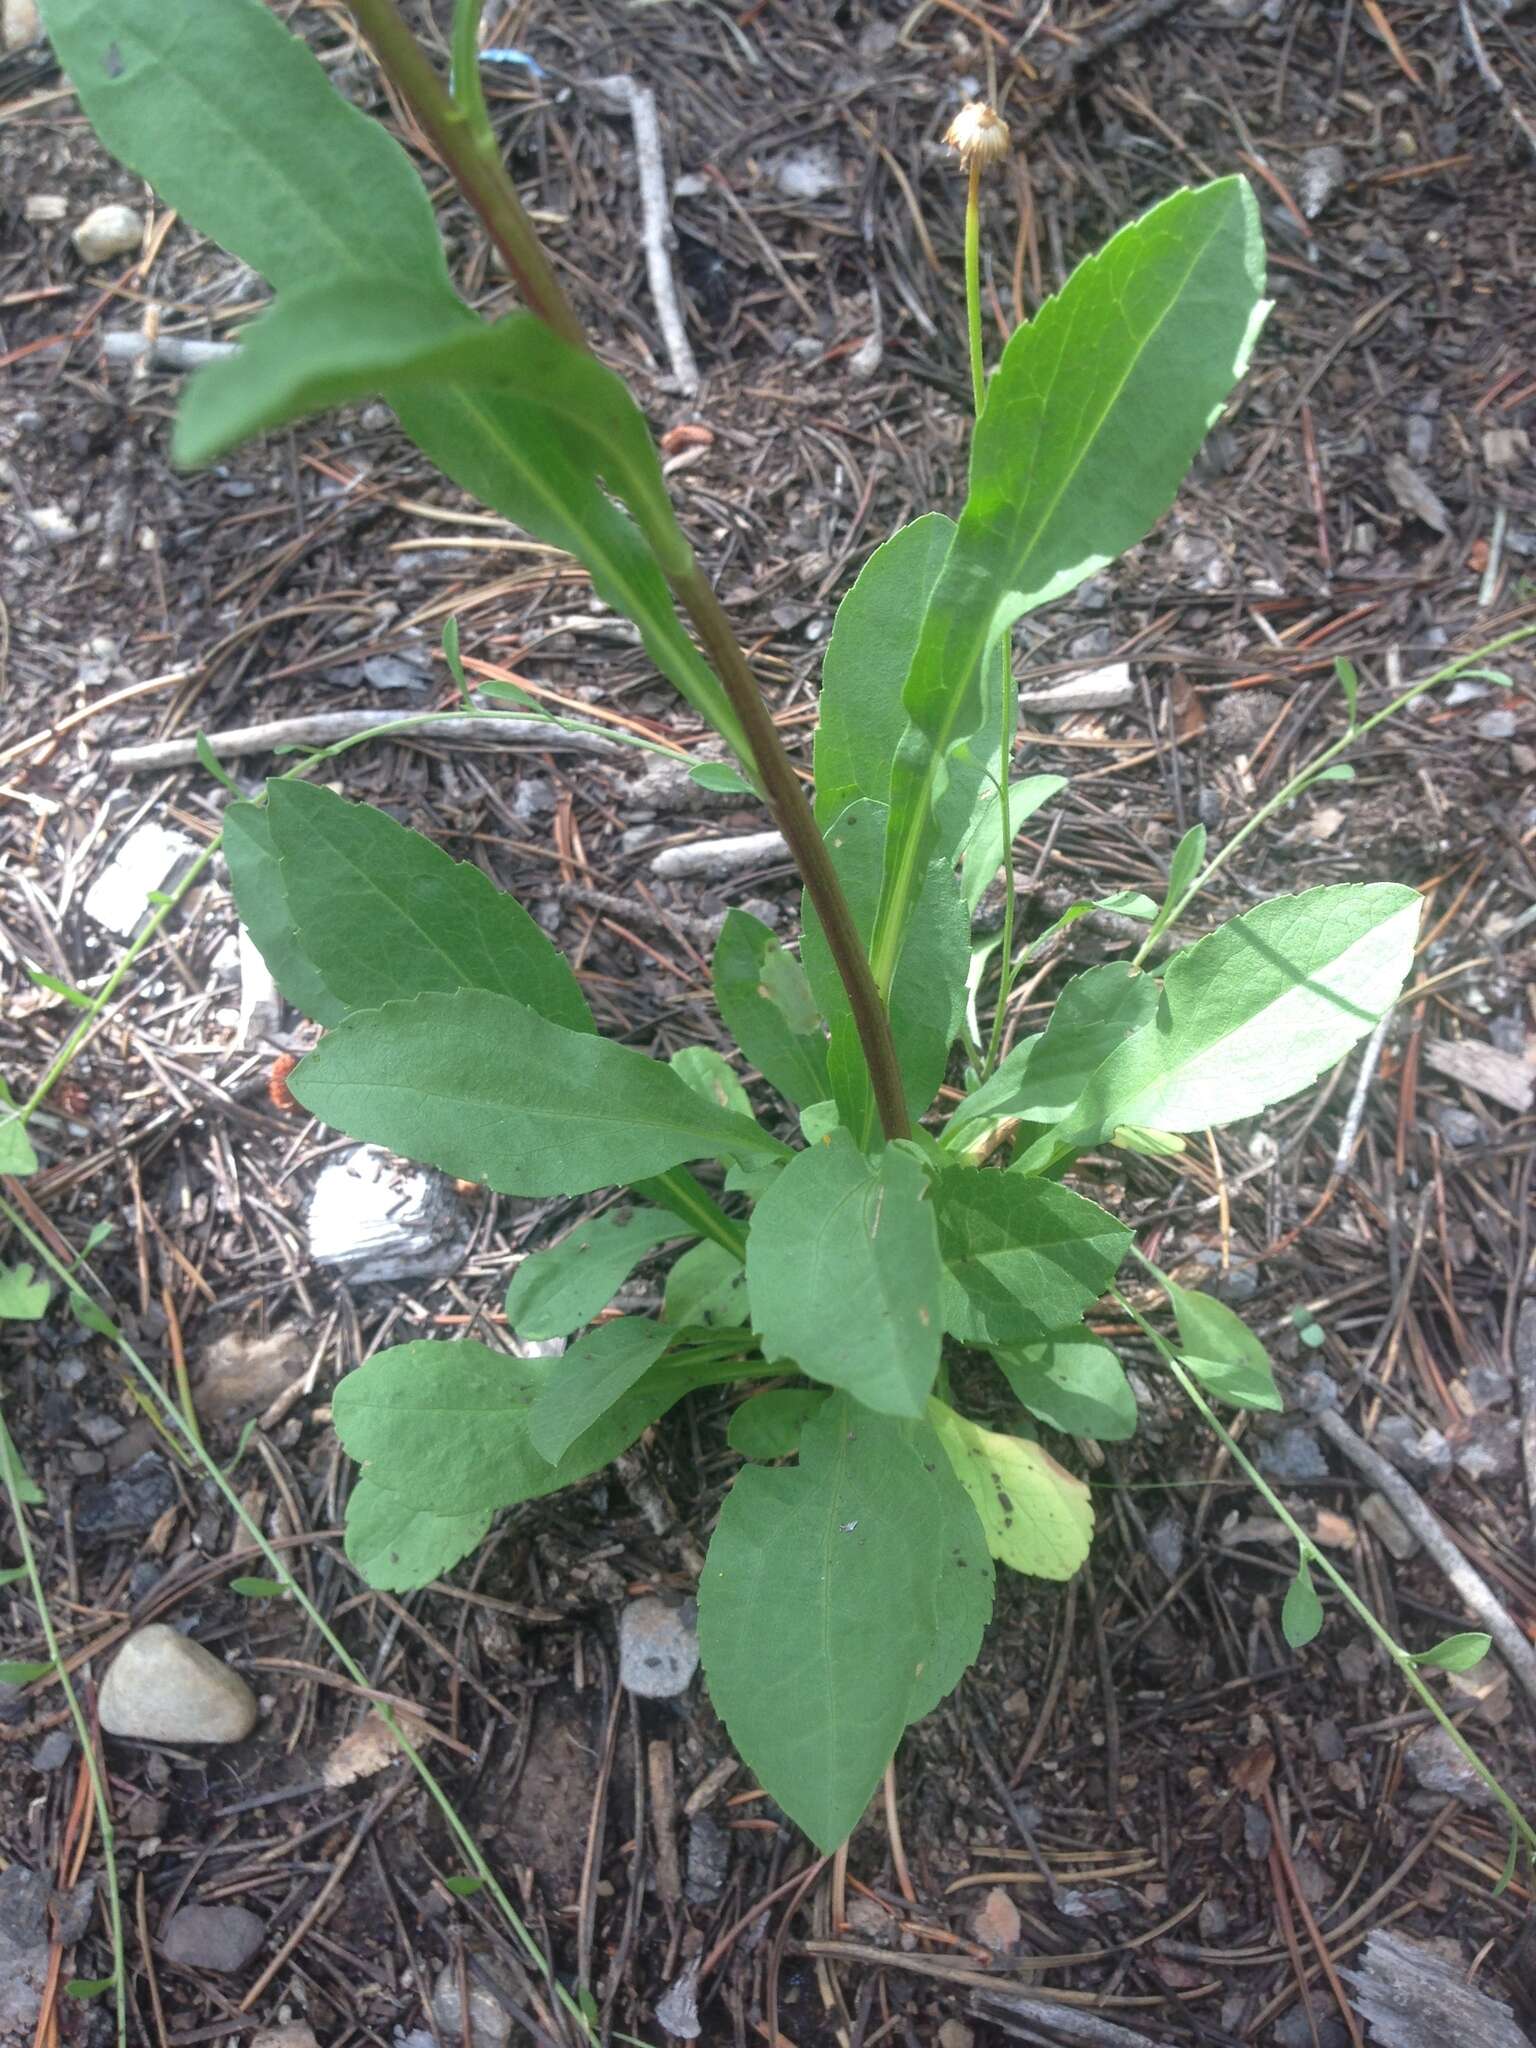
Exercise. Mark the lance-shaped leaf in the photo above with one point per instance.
(1092, 418)
(766, 1004)
(383, 914)
(490, 1091)
(1035, 1515)
(554, 1292)
(592, 1377)
(1022, 1257)
(710, 1074)
(398, 1547)
(1221, 1351)
(1250, 1014)
(844, 1275)
(1075, 1383)
(261, 897)
(857, 1566)
(982, 854)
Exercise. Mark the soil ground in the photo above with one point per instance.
(1141, 1811)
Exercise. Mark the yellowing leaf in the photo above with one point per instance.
(1037, 1517)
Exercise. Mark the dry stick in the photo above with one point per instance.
(639, 102)
(485, 184)
(320, 728)
(1525, 1381)
(1511, 1641)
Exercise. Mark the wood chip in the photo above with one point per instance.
(1501, 1076)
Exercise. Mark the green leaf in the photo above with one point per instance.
(261, 898)
(91, 1314)
(1092, 418)
(258, 1589)
(15, 1672)
(707, 1285)
(1023, 1258)
(1339, 771)
(11, 1573)
(19, 1481)
(489, 1091)
(88, 1987)
(843, 1267)
(1188, 859)
(928, 995)
(1074, 1383)
(464, 1887)
(765, 1002)
(983, 853)
(710, 1074)
(770, 1425)
(554, 1292)
(383, 914)
(1036, 1517)
(1301, 1617)
(831, 1608)
(75, 997)
(1349, 683)
(1251, 1014)
(1221, 1351)
(721, 777)
(23, 1297)
(1457, 1653)
(594, 1374)
(874, 636)
(398, 1547)
(445, 1425)
(16, 1154)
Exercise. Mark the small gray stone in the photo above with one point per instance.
(709, 1860)
(1487, 1446)
(658, 1648)
(130, 1504)
(213, 1937)
(108, 231)
(1294, 1454)
(53, 1750)
(1436, 1765)
(23, 1948)
(1165, 1540)
(1497, 725)
(1320, 176)
(162, 1687)
(490, 2026)
(1459, 1126)
(1422, 1454)
(19, 24)
(678, 2011)
(1383, 1520)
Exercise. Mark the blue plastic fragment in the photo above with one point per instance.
(513, 57)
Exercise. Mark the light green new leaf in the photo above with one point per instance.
(444, 1426)
(1188, 859)
(927, 998)
(710, 1074)
(707, 1285)
(842, 1563)
(1074, 1383)
(861, 717)
(16, 1154)
(843, 1268)
(1023, 1258)
(594, 1374)
(261, 898)
(766, 1004)
(1301, 1617)
(769, 1425)
(23, 1297)
(1035, 1515)
(1456, 1653)
(1250, 1014)
(556, 1291)
(383, 915)
(1092, 418)
(1221, 1351)
(490, 1091)
(983, 853)
(27, 1490)
(398, 1547)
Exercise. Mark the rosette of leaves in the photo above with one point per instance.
(859, 1540)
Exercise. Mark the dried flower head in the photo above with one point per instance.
(978, 135)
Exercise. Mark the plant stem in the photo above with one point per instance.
(1303, 776)
(483, 180)
(973, 282)
(468, 92)
(1316, 1560)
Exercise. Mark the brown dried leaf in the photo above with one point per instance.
(371, 1748)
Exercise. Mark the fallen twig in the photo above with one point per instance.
(639, 102)
(320, 728)
(712, 858)
(164, 351)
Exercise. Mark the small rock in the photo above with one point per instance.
(658, 1648)
(378, 1219)
(1328, 1743)
(296, 2035)
(1414, 494)
(995, 1922)
(1320, 176)
(24, 1949)
(1384, 1522)
(1419, 437)
(956, 2034)
(1212, 1920)
(242, 1370)
(1459, 1127)
(44, 209)
(1436, 1765)
(709, 1860)
(490, 2025)
(129, 1504)
(1497, 725)
(118, 899)
(395, 672)
(1487, 1386)
(1165, 1540)
(19, 24)
(1422, 1454)
(1295, 2029)
(1486, 1446)
(1240, 716)
(213, 1937)
(1505, 447)
(108, 231)
(1294, 1454)
(163, 1687)
(53, 1750)
(677, 2012)
(1357, 1661)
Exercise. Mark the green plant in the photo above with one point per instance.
(456, 1034)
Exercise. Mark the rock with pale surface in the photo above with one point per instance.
(162, 1687)
(213, 1937)
(19, 24)
(296, 2035)
(658, 1648)
(108, 231)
